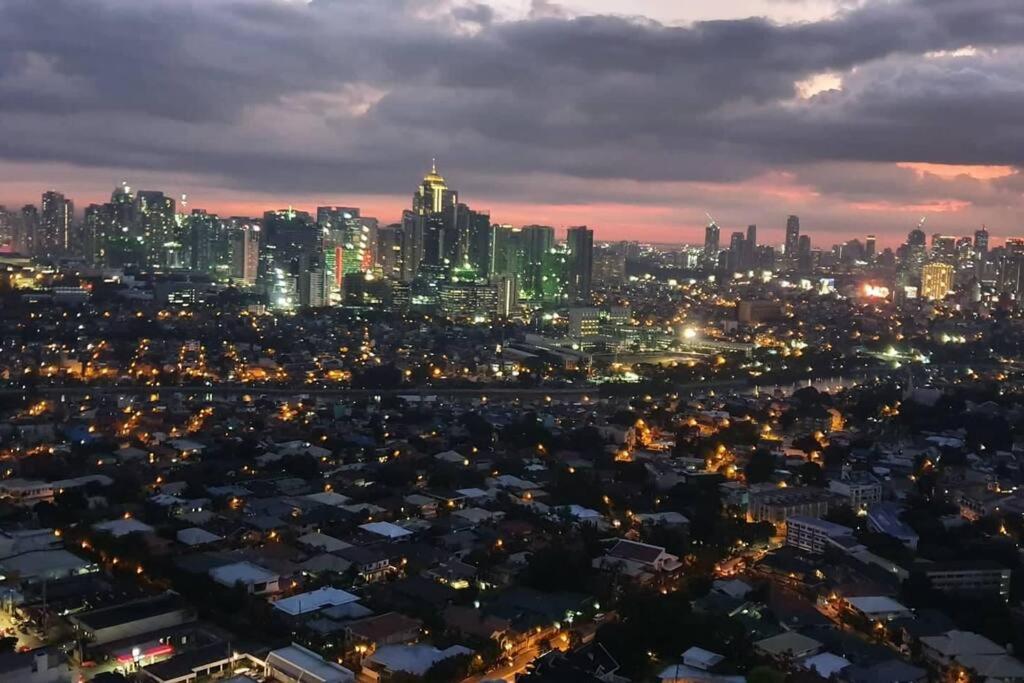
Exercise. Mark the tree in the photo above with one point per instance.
(760, 468)
(810, 474)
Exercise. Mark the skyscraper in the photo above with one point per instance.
(28, 235)
(792, 238)
(712, 239)
(155, 228)
(737, 251)
(538, 241)
(804, 257)
(245, 249)
(870, 249)
(580, 242)
(981, 243)
(750, 247)
(54, 225)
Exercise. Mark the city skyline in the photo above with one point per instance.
(533, 107)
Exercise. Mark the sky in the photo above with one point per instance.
(639, 118)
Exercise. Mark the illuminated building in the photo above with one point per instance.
(804, 255)
(292, 244)
(943, 248)
(507, 256)
(466, 296)
(870, 248)
(580, 243)
(55, 219)
(936, 280)
(792, 238)
(208, 248)
(538, 241)
(245, 249)
(155, 228)
(712, 238)
(433, 195)
(29, 230)
(981, 243)
(584, 322)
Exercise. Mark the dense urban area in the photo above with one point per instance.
(310, 447)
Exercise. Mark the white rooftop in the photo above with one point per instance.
(305, 665)
(123, 527)
(414, 659)
(386, 529)
(876, 604)
(303, 603)
(328, 498)
(826, 664)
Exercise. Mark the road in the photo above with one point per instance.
(509, 671)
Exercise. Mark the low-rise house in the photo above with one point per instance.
(296, 663)
(133, 618)
(254, 579)
(635, 559)
(410, 659)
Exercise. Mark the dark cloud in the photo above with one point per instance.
(353, 95)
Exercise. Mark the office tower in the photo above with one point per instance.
(507, 255)
(943, 248)
(580, 243)
(481, 236)
(538, 242)
(433, 195)
(609, 266)
(792, 238)
(244, 239)
(28, 242)
(55, 219)
(467, 296)
(389, 251)
(314, 287)
(964, 253)
(7, 230)
(438, 206)
(555, 275)
(981, 243)
(870, 249)
(1014, 245)
(712, 238)
(206, 243)
(936, 280)
(737, 250)
(804, 256)
(413, 229)
(292, 245)
(750, 247)
(155, 228)
(1011, 274)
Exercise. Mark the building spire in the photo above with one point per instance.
(433, 165)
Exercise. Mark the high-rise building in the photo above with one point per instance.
(292, 244)
(481, 242)
(208, 245)
(981, 243)
(804, 255)
(870, 249)
(245, 249)
(413, 235)
(712, 240)
(28, 238)
(538, 241)
(943, 248)
(55, 220)
(737, 251)
(7, 230)
(580, 243)
(389, 251)
(750, 247)
(1011, 275)
(792, 238)
(936, 280)
(610, 266)
(438, 206)
(507, 252)
(156, 228)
